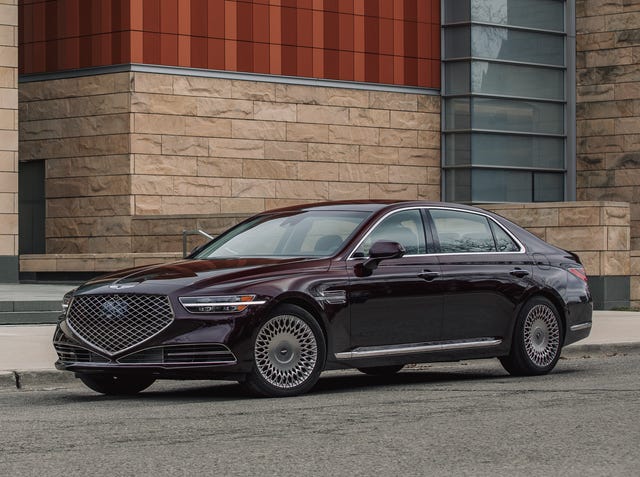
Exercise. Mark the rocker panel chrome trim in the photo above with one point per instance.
(581, 326)
(378, 351)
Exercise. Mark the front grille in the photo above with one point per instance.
(181, 354)
(69, 354)
(116, 322)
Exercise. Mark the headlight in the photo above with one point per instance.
(66, 300)
(219, 304)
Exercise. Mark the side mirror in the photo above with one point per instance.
(379, 251)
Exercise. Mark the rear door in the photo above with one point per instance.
(484, 274)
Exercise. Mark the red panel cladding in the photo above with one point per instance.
(385, 69)
(332, 64)
(199, 58)
(245, 56)
(332, 31)
(245, 23)
(215, 16)
(199, 20)
(151, 16)
(305, 62)
(151, 48)
(289, 60)
(387, 41)
(169, 48)
(386, 36)
(346, 66)
(305, 28)
(346, 29)
(215, 54)
(169, 18)
(261, 62)
(371, 67)
(261, 23)
(289, 27)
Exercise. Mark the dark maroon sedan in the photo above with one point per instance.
(289, 293)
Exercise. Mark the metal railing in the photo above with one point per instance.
(186, 233)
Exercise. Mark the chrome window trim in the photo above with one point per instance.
(427, 208)
(412, 348)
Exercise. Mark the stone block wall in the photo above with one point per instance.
(8, 140)
(608, 104)
(125, 149)
(80, 127)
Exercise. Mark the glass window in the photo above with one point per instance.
(543, 14)
(495, 185)
(457, 42)
(457, 77)
(457, 149)
(404, 227)
(461, 232)
(548, 187)
(457, 185)
(516, 151)
(504, 242)
(511, 80)
(298, 234)
(457, 113)
(456, 11)
(518, 116)
(515, 45)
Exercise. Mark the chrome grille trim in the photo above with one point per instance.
(182, 354)
(113, 323)
(69, 354)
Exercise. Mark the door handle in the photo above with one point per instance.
(428, 275)
(518, 272)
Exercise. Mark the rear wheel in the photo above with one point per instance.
(537, 339)
(116, 385)
(288, 354)
(381, 370)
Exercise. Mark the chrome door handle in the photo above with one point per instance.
(428, 275)
(518, 272)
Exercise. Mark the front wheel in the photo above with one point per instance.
(114, 385)
(537, 340)
(288, 354)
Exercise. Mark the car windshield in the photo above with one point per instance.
(292, 234)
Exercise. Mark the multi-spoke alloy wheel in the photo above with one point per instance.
(286, 351)
(541, 335)
(289, 352)
(537, 339)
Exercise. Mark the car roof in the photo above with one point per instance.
(369, 206)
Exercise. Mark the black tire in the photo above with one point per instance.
(289, 352)
(381, 370)
(537, 339)
(116, 385)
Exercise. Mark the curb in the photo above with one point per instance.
(51, 378)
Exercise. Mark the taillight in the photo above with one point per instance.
(579, 273)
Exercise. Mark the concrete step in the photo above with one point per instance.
(29, 312)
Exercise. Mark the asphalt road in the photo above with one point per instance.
(458, 419)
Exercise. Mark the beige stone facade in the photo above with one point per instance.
(597, 231)
(9, 135)
(123, 150)
(608, 104)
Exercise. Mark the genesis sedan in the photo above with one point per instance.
(288, 293)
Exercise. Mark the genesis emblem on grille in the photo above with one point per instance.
(113, 323)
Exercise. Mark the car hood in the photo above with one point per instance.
(191, 275)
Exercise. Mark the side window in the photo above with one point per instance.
(404, 227)
(462, 232)
(504, 242)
